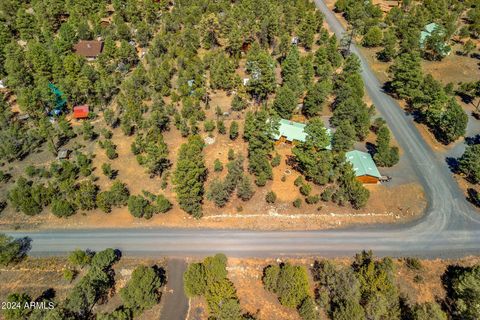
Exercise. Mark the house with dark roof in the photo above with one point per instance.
(89, 49)
(365, 169)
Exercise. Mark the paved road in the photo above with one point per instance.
(175, 303)
(450, 228)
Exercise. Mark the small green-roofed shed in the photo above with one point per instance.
(427, 32)
(363, 165)
(292, 131)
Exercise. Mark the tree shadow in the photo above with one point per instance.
(161, 273)
(475, 56)
(25, 245)
(292, 162)
(48, 294)
(472, 140)
(371, 148)
(388, 89)
(406, 312)
(453, 164)
(466, 98)
(451, 274)
(473, 197)
(118, 254)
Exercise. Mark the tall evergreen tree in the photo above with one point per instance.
(190, 175)
(406, 75)
(292, 71)
(285, 102)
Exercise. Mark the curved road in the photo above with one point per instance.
(450, 228)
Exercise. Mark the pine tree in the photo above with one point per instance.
(315, 98)
(385, 156)
(469, 163)
(233, 130)
(406, 75)
(344, 137)
(285, 102)
(261, 67)
(292, 71)
(245, 190)
(315, 162)
(190, 175)
(373, 37)
(389, 42)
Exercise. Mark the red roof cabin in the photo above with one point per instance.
(80, 112)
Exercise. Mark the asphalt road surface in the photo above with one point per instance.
(450, 227)
(175, 303)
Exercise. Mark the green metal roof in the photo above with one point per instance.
(363, 164)
(291, 131)
(445, 49)
(60, 101)
(427, 32)
(294, 131)
(431, 27)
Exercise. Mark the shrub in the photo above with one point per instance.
(117, 196)
(418, 278)
(312, 199)
(217, 166)
(62, 208)
(79, 258)
(413, 263)
(162, 204)
(233, 130)
(108, 171)
(69, 274)
(261, 180)
(298, 181)
(218, 193)
(109, 117)
(31, 171)
(231, 154)
(110, 149)
(297, 203)
(238, 104)
(244, 189)
(107, 134)
(271, 197)
(276, 160)
(305, 189)
(141, 207)
(4, 177)
(327, 194)
(137, 206)
(221, 127)
(209, 126)
(12, 250)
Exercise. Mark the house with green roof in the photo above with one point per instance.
(444, 49)
(292, 132)
(60, 101)
(365, 169)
